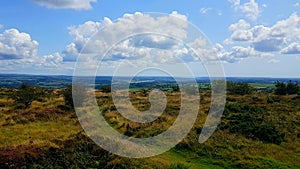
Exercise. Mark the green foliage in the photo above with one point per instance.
(283, 88)
(280, 88)
(44, 135)
(248, 121)
(178, 166)
(239, 88)
(175, 88)
(292, 88)
(26, 94)
(106, 88)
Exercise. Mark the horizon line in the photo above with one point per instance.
(29, 74)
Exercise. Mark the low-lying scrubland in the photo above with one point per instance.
(257, 130)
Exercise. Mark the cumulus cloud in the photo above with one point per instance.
(293, 48)
(241, 24)
(52, 60)
(268, 39)
(153, 41)
(19, 51)
(1, 26)
(250, 9)
(66, 4)
(238, 53)
(281, 38)
(17, 45)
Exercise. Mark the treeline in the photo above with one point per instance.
(286, 88)
(26, 94)
(242, 88)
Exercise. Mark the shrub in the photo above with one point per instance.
(27, 94)
(239, 88)
(248, 121)
(178, 166)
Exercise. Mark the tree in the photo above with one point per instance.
(27, 94)
(280, 88)
(292, 88)
(283, 88)
(239, 88)
(175, 88)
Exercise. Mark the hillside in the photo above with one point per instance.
(258, 130)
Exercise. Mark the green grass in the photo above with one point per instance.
(224, 149)
(37, 132)
(262, 85)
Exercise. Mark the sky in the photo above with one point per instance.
(249, 38)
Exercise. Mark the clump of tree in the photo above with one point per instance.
(239, 88)
(286, 88)
(26, 94)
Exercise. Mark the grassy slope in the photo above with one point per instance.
(221, 150)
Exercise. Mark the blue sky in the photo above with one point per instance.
(251, 37)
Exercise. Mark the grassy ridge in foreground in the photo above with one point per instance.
(47, 134)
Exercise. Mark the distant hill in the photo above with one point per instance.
(60, 81)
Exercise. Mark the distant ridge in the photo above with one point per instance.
(61, 81)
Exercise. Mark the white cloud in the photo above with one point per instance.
(267, 39)
(17, 45)
(1, 26)
(66, 4)
(204, 10)
(52, 60)
(241, 35)
(262, 41)
(297, 4)
(238, 53)
(18, 52)
(250, 9)
(134, 47)
(293, 48)
(241, 24)
(240, 31)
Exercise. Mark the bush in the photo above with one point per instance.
(178, 166)
(239, 88)
(248, 121)
(27, 94)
